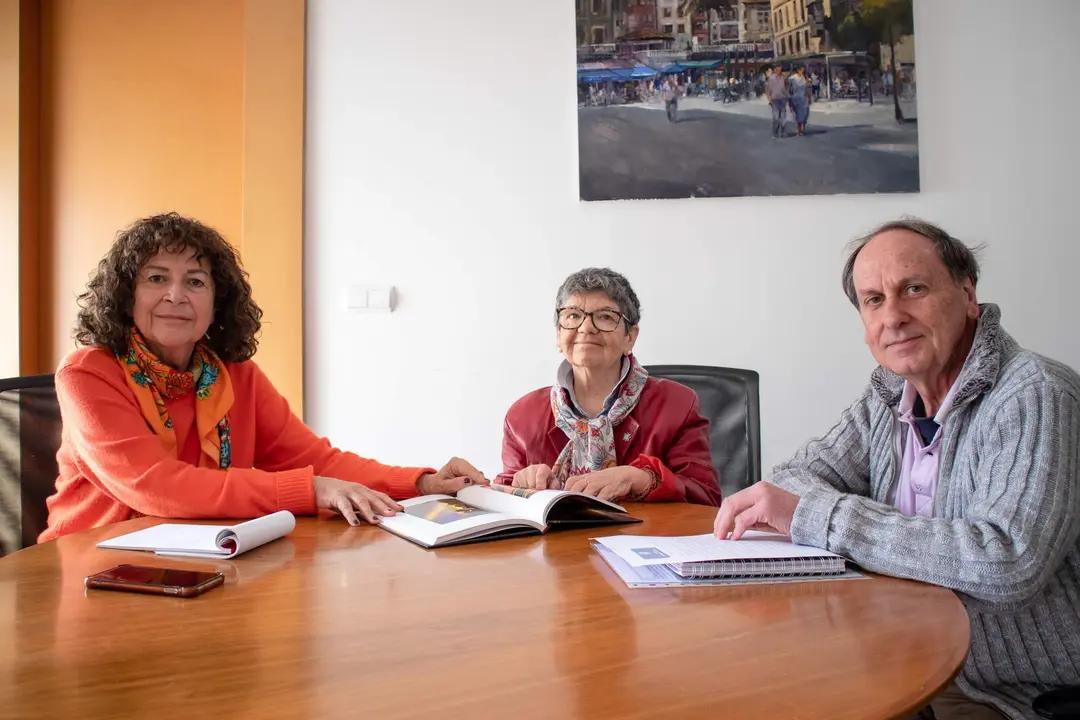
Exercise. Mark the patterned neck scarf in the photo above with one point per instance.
(153, 382)
(591, 447)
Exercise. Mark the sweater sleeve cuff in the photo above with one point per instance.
(665, 485)
(810, 524)
(401, 483)
(296, 491)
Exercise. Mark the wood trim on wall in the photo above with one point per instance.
(20, 83)
(30, 360)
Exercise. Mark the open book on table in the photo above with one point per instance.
(208, 541)
(755, 555)
(498, 511)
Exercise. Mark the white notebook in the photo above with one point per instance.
(756, 554)
(221, 541)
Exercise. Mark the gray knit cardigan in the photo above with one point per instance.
(1006, 517)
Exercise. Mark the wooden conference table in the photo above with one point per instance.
(335, 621)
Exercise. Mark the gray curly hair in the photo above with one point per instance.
(604, 280)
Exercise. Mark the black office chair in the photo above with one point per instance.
(29, 439)
(729, 400)
(1060, 704)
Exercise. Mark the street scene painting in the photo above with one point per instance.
(736, 98)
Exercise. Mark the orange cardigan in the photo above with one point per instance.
(112, 467)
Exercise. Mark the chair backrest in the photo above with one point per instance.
(29, 439)
(729, 400)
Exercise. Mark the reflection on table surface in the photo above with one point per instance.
(334, 621)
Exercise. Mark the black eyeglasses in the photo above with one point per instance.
(602, 320)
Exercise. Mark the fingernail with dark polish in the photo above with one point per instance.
(468, 481)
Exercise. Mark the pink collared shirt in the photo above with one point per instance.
(919, 468)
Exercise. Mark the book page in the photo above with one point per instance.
(524, 502)
(435, 519)
(639, 550)
(566, 505)
(517, 502)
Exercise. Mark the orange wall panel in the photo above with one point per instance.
(9, 188)
(273, 218)
(144, 103)
(148, 106)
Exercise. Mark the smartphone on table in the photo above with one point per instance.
(155, 581)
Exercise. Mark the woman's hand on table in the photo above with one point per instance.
(353, 500)
(455, 475)
(614, 483)
(356, 501)
(535, 477)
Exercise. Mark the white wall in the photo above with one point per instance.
(445, 163)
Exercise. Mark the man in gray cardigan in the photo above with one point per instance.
(958, 466)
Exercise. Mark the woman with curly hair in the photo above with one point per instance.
(166, 414)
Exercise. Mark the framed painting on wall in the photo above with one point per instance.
(735, 98)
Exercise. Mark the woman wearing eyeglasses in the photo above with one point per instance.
(606, 428)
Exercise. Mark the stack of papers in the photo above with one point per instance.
(651, 561)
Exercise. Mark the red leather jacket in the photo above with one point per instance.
(665, 432)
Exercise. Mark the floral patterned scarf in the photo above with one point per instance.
(153, 382)
(591, 447)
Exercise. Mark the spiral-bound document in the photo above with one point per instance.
(761, 567)
(756, 554)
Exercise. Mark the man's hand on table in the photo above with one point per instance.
(761, 506)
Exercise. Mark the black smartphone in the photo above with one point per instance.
(155, 581)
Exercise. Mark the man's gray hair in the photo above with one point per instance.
(959, 259)
(609, 282)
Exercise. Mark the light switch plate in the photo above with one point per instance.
(379, 298)
(356, 297)
(369, 298)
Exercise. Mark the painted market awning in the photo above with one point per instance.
(834, 58)
(613, 71)
(684, 65)
(700, 64)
